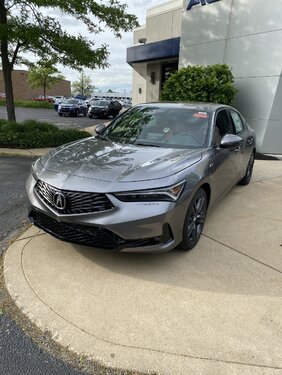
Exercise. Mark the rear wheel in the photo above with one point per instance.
(249, 171)
(194, 220)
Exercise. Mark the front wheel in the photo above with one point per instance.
(249, 171)
(194, 220)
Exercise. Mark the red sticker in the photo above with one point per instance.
(201, 115)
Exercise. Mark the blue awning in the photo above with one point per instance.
(164, 49)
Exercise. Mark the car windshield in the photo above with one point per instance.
(100, 103)
(177, 127)
(70, 101)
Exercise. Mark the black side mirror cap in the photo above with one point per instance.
(230, 140)
(100, 128)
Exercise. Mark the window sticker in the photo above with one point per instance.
(201, 115)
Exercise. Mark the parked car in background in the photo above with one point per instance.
(104, 108)
(72, 107)
(145, 182)
(58, 101)
(80, 97)
(40, 98)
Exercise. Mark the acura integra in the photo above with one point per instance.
(145, 182)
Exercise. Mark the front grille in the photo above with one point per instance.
(80, 234)
(75, 202)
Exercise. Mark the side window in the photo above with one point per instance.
(238, 124)
(223, 126)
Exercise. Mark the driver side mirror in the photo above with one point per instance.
(230, 141)
(100, 128)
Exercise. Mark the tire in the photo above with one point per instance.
(90, 116)
(85, 114)
(249, 171)
(60, 114)
(194, 220)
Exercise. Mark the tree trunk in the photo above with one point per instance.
(7, 67)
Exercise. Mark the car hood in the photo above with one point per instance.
(68, 105)
(109, 161)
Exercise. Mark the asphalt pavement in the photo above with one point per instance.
(19, 355)
(13, 201)
(49, 115)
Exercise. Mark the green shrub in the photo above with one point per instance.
(29, 104)
(213, 83)
(33, 134)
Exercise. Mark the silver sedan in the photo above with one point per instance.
(145, 182)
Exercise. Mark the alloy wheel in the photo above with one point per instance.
(197, 219)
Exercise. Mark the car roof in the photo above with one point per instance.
(193, 105)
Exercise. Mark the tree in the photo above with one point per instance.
(83, 85)
(44, 75)
(25, 26)
(213, 83)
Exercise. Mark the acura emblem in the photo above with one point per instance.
(59, 201)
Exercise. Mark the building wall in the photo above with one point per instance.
(23, 91)
(139, 89)
(139, 33)
(246, 35)
(162, 22)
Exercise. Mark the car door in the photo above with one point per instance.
(224, 163)
(247, 145)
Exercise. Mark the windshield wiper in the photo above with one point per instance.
(146, 144)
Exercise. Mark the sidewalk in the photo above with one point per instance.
(214, 310)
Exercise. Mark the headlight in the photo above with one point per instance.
(169, 194)
(59, 107)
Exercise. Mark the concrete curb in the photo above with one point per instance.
(36, 152)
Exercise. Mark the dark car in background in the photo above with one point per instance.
(72, 107)
(104, 108)
(145, 182)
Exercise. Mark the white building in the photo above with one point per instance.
(245, 34)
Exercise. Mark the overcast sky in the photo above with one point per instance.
(119, 75)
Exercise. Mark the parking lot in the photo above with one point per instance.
(49, 115)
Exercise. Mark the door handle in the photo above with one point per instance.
(237, 149)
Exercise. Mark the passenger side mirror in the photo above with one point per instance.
(230, 140)
(100, 128)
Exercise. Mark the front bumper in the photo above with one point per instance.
(97, 112)
(129, 227)
(67, 111)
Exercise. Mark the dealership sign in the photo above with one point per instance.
(196, 2)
